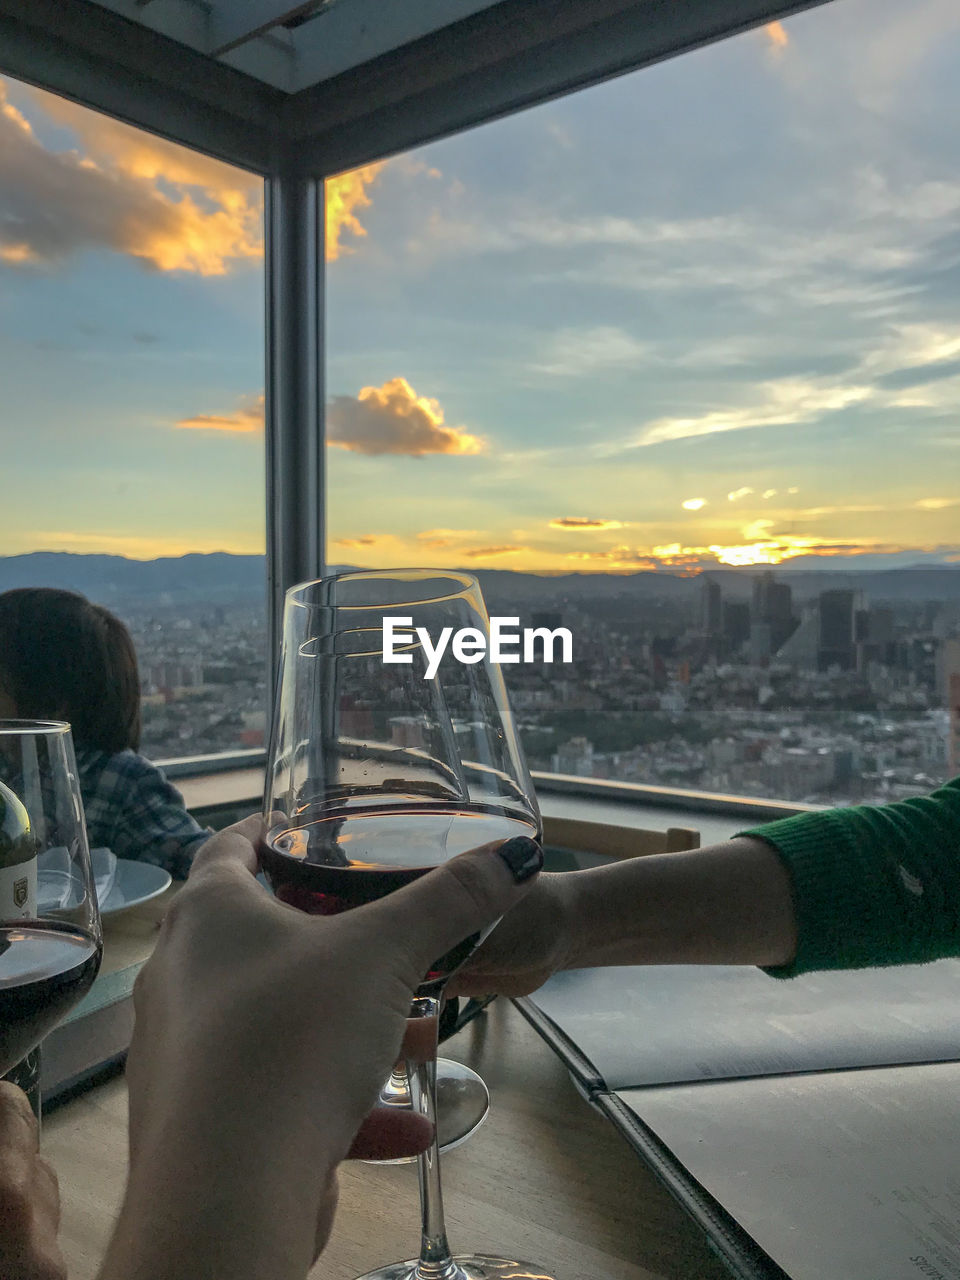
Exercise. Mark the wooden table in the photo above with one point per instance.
(546, 1179)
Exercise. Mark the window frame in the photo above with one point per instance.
(509, 57)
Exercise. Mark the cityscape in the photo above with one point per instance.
(823, 687)
(823, 698)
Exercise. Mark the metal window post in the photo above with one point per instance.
(294, 395)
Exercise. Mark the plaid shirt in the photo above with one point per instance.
(132, 809)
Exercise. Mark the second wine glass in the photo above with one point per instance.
(50, 938)
(382, 769)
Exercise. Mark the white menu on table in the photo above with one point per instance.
(847, 1175)
(642, 1025)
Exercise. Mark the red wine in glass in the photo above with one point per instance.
(347, 857)
(45, 968)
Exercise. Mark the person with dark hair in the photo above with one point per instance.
(64, 658)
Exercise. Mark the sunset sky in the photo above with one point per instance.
(708, 312)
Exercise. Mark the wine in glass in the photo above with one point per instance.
(377, 774)
(50, 938)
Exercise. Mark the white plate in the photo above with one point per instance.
(135, 883)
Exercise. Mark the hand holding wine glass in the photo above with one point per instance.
(263, 1035)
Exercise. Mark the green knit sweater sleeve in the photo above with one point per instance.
(873, 885)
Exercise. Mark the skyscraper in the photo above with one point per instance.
(836, 647)
(773, 607)
(711, 607)
(736, 625)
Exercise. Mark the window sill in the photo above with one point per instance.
(228, 783)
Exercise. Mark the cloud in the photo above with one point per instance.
(246, 419)
(126, 191)
(693, 504)
(765, 548)
(391, 419)
(394, 419)
(368, 540)
(140, 546)
(777, 35)
(438, 538)
(18, 253)
(344, 195)
(580, 523)
(926, 351)
(535, 228)
(780, 402)
(937, 504)
(769, 493)
(617, 558)
(573, 353)
(860, 508)
(737, 494)
(489, 553)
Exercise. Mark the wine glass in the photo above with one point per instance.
(380, 773)
(50, 938)
(463, 1099)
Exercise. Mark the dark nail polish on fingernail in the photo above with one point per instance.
(523, 856)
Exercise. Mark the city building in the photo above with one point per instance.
(837, 639)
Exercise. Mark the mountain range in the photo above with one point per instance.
(220, 576)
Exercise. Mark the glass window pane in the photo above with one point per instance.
(131, 361)
(676, 361)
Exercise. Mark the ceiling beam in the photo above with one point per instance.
(234, 22)
(513, 55)
(358, 31)
(96, 57)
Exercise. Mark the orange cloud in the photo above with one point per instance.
(124, 190)
(761, 546)
(391, 419)
(237, 192)
(574, 523)
(777, 35)
(17, 253)
(343, 196)
(394, 419)
(774, 549)
(245, 420)
(487, 553)
(369, 540)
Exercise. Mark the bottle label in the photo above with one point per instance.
(18, 891)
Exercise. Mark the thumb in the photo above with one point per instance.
(233, 846)
(459, 898)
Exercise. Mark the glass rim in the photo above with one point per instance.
(468, 583)
(9, 727)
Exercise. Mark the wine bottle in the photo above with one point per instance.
(18, 860)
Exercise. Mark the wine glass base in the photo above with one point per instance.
(463, 1102)
(473, 1266)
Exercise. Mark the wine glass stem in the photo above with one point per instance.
(435, 1261)
(396, 1092)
